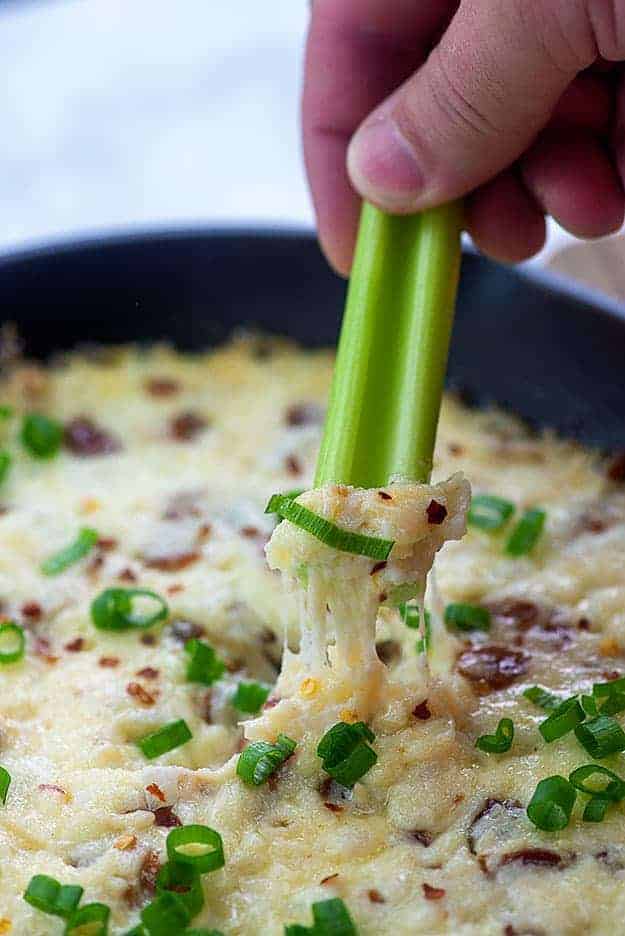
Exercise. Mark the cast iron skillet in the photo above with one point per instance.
(554, 356)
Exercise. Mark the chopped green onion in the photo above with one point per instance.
(596, 809)
(91, 919)
(140, 930)
(345, 753)
(83, 544)
(260, 759)
(6, 412)
(542, 698)
(613, 704)
(501, 741)
(412, 618)
(5, 464)
(327, 532)
(165, 915)
(198, 846)
(113, 609)
(562, 720)
(204, 666)
(489, 512)
(5, 783)
(612, 788)
(184, 881)
(46, 894)
(276, 500)
(467, 617)
(589, 705)
(165, 739)
(202, 932)
(552, 803)
(330, 918)
(601, 736)
(250, 697)
(12, 643)
(526, 533)
(602, 689)
(41, 436)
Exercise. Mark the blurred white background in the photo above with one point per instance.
(132, 113)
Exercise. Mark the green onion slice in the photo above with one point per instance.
(250, 697)
(596, 809)
(589, 705)
(501, 741)
(6, 412)
(601, 736)
(327, 532)
(46, 894)
(41, 436)
(204, 667)
(467, 617)
(89, 920)
(331, 918)
(563, 719)
(603, 689)
(411, 617)
(596, 780)
(165, 739)
(5, 783)
(488, 512)
(114, 609)
(613, 704)
(261, 759)
(276, 499)
(345, 752)
(12, 643)
(526, 533)
(165, 916)
(83, 544)
(198, 846)
(552, 803)
(542, 698)
(5, 464)
(184, 881)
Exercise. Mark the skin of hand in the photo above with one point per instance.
(519, 105)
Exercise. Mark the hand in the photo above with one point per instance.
(517, 102)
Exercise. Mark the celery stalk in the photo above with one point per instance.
(392, 355)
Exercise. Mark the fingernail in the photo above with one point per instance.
(383, 166)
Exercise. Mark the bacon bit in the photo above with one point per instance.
(512, 807)
(204, 532)
(333, 807)
(330, 877)
(541, 857)
(378, 567)
(492, 666)
(161, 386)
(583, 624)
(515, 612)
(454, 449)
(172, 563)
(76, 645)
(166, 818)
(293, 465)
(127, 575)
(432, 893)
(186, 426)
(150, 866)
(106, 543)
(616, 468)
(175, 589)
(375, 896)
(309, 687)
(384, 495)
(42, 649)
(436, 512)
(609, 675)
(125, 842)
(422, 711)
(84, 438)
(420, 835)
(303, 414)
(5, 925)
(185, 630)
(156, 791)
(148, 640)
(388, 651)
(95, 564)
(609, 647)
(109, 662)
(32, 610)
(249, 531)
(148, 672)
(53, 788)
(137, 691)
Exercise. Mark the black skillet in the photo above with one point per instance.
(554, 355)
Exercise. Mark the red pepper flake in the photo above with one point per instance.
(166, 818)
(422, 836)
(162, 386)
(186, 426)
(378, 567)
(249, 531)
(137, 691)
(293, 465)
(106, 543)
(384, 495)
(583, 624)
(32, 610)
(110, 662)
(539, 857)
(422, 711)
(175, 589)
(375, 896)
(330, 877)
(436, 512)
(432, 893)
(52, 788)
(172, 563)
(42, 649)
(150, 866)
(616, 468)
(76, 645)
(127, 575)
(454, 449)
(148, 672)
(84, 438)
(156, 791)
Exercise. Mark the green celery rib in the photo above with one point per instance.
(392, 355)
